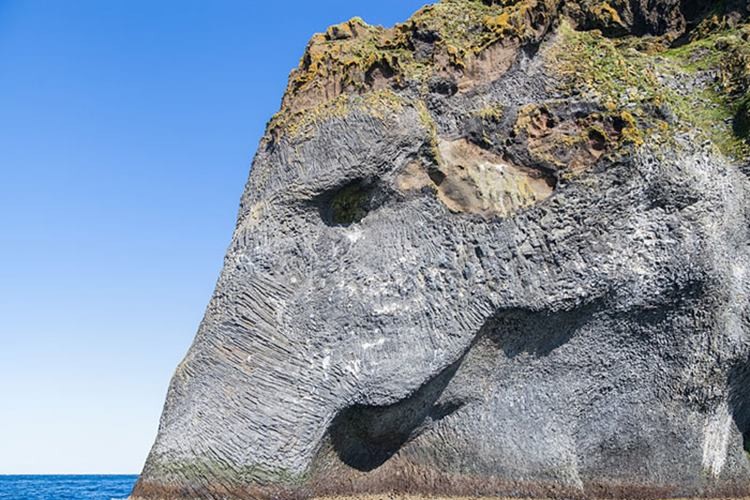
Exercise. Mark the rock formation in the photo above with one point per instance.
(500, 249)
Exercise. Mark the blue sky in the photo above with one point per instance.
(126, 133)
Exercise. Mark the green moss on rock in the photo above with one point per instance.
(741, 122)
(650, 90)
(356, 58)
(631, 74)
(349, 205)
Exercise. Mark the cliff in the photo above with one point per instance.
(500, 249)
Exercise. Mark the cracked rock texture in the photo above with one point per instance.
(500, 249)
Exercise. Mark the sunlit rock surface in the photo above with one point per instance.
(498, 250)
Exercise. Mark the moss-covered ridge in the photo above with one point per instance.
(450, 38)
(445, 39)
(699, 86)
(614, 55)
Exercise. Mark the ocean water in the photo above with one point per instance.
(65, 487)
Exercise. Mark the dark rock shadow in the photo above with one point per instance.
(351, 202)
(365, 437)
(739, 399)
(518, 331)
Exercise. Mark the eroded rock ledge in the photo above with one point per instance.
(499, 250)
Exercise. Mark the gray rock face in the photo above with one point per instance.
(493, 288)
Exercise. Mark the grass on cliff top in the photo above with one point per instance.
(469, 26)
(722, 61)
(630, 75)
(345, 56)
(676, 82)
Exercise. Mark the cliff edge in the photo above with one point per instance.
(500, 249)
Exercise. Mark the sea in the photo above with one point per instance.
(66, 487)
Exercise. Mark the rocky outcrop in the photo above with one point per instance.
(500, 249)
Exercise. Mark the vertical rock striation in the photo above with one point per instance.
(500, 249)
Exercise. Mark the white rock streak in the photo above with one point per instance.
(716, 440)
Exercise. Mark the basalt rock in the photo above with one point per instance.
(500, 249)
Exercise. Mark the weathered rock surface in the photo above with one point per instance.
(498, 250)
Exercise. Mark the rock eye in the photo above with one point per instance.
(347, 205)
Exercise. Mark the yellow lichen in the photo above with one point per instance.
(492, 112)
(607, 14)
(430, 126)
(499, 24)
(382, 104)
(631, 133)
(353, 57)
